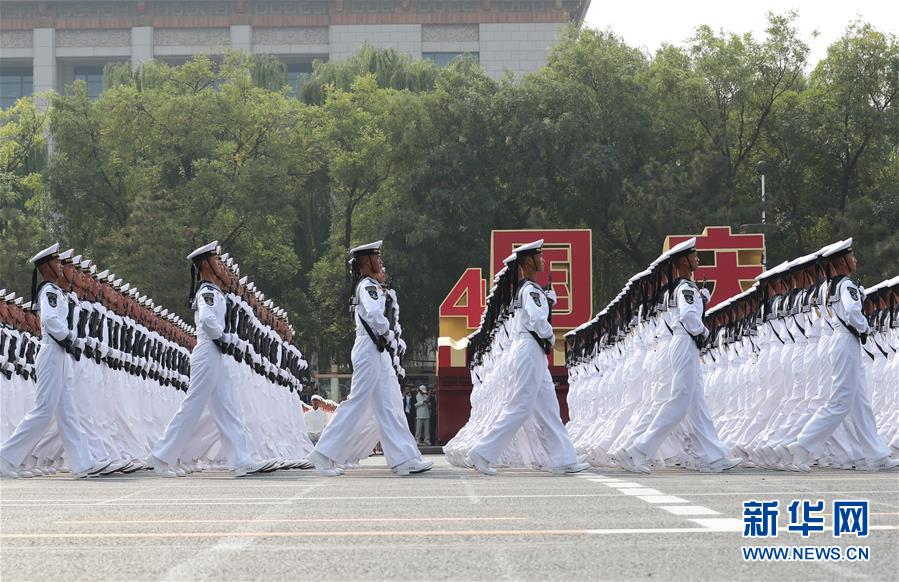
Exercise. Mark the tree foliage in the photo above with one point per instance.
(381, 146)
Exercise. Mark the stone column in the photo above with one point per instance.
(44, 59)
(141, 45)
(242, 37)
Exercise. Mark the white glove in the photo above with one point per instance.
(551, 297)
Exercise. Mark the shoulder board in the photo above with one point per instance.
(528, 283)
(49, 285)
(832, 287)
(208, 285)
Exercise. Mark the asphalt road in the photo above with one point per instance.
(445, 524)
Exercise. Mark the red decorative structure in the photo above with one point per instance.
(569, 260)
(728, 262)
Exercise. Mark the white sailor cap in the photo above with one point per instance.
(688, 246)
(164, 312)
(893, 282)
(373, 248)
(251, 286)
(317, 397)
(142, 299)
(125, 288)
(717, 308)
(659, 259)
(844, 246)
(269, 303)
(157, 310)
(76, 260)
(261, 296)
(45, 255)
(229, 262)
(66, 255)
(640, 275)
(134, 292)
(18, 301)
(103, 274)
(93, 270)
(243, 280)
(225, 257)
(10, 297)
(531, 247)
(801, 262)
(773, 271)
(872, 290)
(26, 306)
(2, 293)
(509, 259)
(85, 264)
(207, 249)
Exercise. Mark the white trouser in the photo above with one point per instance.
(848, 398)
(374, 392)
(53, 399)
(422, 429)
(686, 402)
(532, 394)
(207, 375)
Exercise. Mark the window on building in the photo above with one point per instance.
(297, 74)
(14, 83)
(443, 59)
(92, 77)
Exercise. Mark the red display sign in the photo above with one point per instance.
(729, 263)
(568, 265)
(568, 261)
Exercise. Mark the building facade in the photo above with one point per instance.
(46, 45)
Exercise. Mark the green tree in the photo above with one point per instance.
(22, 216)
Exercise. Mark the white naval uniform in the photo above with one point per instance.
(207, 375)
(374, 393)
(533, 394)
(686, 401)
(849, 396)
(54, 390)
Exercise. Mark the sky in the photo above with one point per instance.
(650, 23)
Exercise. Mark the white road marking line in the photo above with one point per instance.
(469, 490)
(658, 499)
(644, 491)
(625, 484)
(210, 557)
(169, 501)
(411, 533)
(286, 501)
(140, 492)
(757, 493)
(657, 530)
(307, 520)
(689, 510)
(720, 523)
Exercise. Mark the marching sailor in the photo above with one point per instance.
(55, 380)
(375, 391)
(686, 401)
(849, 397)
(533, 392)
(209, 381)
